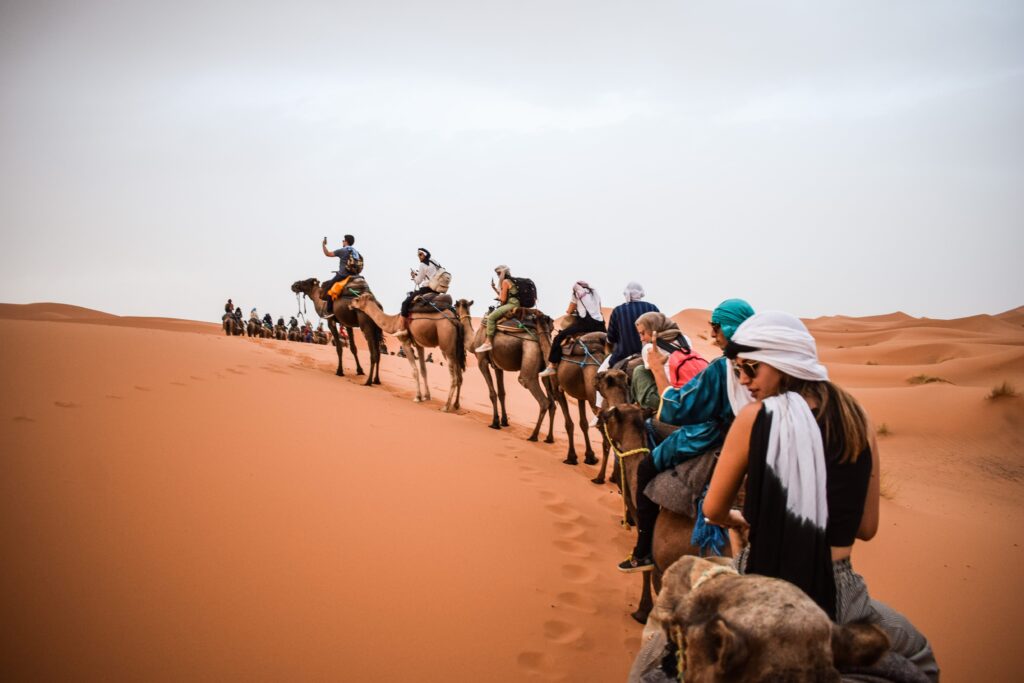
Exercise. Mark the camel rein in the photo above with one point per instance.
(678, 635)
(622, 455)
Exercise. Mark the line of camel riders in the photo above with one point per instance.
(266, 328)
(749, 477)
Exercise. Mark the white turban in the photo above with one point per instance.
(783, 342)
(634, 291)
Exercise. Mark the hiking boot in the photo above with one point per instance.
(632, 564)
(485, 347)
(548, 371)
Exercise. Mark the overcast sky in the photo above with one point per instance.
(819, 157)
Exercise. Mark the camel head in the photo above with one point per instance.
(613, 385)
(305, 286)
(623, 420)
(754, 628)
(362, 301)
(462, 306)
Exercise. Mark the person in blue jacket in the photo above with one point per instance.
(702, 410)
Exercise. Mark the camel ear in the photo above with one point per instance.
(609, 414)
(727, 645)
(857, 645)
(469, 303)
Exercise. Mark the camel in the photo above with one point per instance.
(721, 626)
(520, 352)
(575, 377)
(348, 316)
(233, 326)
(280, 332)
(252, 328)
(319, 337)
(613, 386)
(672, 532)
(294, 334)
(444, 330)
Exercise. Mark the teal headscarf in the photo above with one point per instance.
(729, 314)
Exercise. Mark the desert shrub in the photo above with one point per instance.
(926, 379)
(1004, 390)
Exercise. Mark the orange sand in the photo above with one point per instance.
(175, 505)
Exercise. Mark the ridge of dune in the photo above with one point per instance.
(54, 312)
(49, 311)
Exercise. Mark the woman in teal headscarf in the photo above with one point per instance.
(702, 410)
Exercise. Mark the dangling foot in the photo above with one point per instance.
(485, 347)
(632, 564)
(548, 371)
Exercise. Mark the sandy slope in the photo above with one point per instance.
(177, 504)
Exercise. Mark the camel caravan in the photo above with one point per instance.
(748, 478)
(266, 328)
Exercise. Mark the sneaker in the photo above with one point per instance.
(548, 371)
(595, 422)
(631, 564)
(484, 348)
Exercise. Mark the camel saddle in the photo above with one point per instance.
(679, 488)
(431, 302)
(349, 288)
(519, 320)
(593, 342)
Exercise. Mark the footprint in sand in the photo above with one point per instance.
(574, 548)
(179, 384)
(196, 378)
(235, 372)
(551, 497)
(562, 632)
(141, 388)
(563, 511)
(576, 601)
(65, 404)
(114, 396)
(578, 573)
(570, 530)
(528, 469)
(534, 662)
(22, 418)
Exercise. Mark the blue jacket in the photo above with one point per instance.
(702, 411)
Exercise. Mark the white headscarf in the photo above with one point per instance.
(783, 342)
(634, 291)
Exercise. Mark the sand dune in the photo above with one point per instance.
(177, 504)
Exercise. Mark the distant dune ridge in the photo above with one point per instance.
(175, 507)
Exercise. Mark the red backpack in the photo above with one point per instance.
(684, 365)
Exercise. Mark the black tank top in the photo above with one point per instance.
(846, 487)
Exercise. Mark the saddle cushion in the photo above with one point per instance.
(422, 303)
(594, 341)
(679, 488)
(349, 288)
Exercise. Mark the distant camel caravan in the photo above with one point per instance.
(233, 326)
(429, 326)
(348, 316)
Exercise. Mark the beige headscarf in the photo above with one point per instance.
(660, 323)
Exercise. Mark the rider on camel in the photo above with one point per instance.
(421, 279)
(586, 306)
(342, 254)
(507, 301)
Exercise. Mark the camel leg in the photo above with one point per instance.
(501, 394)
(421, 356)
(532, 384)
(453, 386)
(484, 363)
(563, 403)
(599, 479)
(410, 355)
(551, 411)
(588, 455)
(646, 600)
(352, 348)
(369, 335)
(338, 346)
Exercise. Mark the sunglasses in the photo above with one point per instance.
(715, 327)
(749, 368)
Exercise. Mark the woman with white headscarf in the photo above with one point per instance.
(810, 461)
(585, 305)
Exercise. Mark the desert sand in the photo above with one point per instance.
(178, 504)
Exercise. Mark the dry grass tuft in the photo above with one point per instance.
(1004, 390)
(926, 379)
(887, 487)
(883, 430)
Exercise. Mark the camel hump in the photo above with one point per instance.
(354, 286)
(678, 489)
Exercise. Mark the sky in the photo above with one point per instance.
(817, 157)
